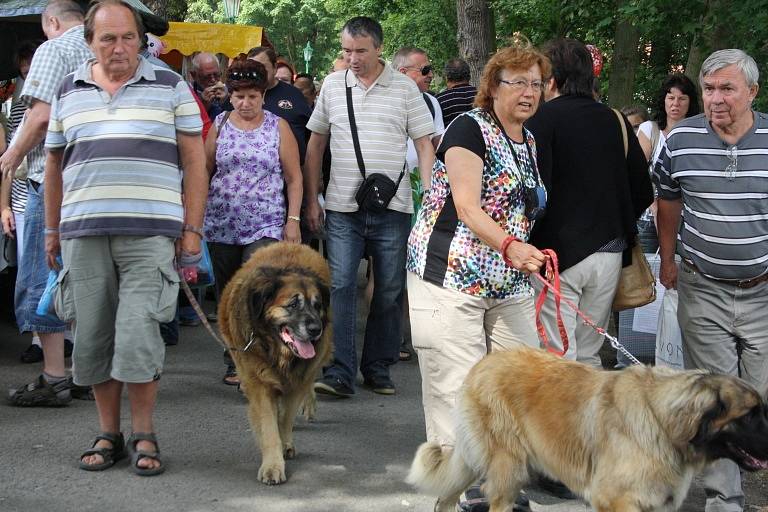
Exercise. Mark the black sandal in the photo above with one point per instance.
(110, 455)
(137, 455)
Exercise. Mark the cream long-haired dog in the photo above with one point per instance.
(626, 441)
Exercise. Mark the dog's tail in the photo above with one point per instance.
(439, 471)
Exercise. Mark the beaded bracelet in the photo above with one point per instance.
(294, 217)
(504, 246)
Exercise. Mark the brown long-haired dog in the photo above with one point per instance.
(276, 305)
(627, 441)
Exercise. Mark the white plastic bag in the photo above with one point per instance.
(669, 340)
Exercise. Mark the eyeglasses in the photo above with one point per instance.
(424, 70)
(521, 85)
(733, 166)
(210, 76)
(245, 75)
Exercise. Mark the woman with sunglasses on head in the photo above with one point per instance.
(676, 100)
(468, 258)
(251, 156)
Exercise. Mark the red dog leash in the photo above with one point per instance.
(552, 283)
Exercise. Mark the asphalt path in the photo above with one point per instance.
(352, 458)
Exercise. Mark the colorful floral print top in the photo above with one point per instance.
(245, 199)
(442, 249)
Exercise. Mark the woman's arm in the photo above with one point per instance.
(645, 143)
(210, 150)
(289, 162)
(465, 171)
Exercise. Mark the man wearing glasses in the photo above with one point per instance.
(207, 84)
(713, 171)
(414, 63)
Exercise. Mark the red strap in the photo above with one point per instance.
(552, 282)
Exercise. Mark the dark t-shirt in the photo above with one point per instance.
(464, 133)
(286, 101)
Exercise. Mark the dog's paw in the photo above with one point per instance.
(272, 474)
(289, 451)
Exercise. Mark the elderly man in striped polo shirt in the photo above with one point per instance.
(388, 108)
(119, 130)
(715, 171)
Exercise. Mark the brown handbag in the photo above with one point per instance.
(637, 284)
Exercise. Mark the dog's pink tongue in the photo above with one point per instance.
(304, 349)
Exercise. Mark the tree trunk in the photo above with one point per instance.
(624, 63)
(474, 35)
(715, 34)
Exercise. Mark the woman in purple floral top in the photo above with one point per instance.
(252, 156)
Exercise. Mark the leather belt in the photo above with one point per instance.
(746, 283)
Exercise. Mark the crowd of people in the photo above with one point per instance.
(116, 170)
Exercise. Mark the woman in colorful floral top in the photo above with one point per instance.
(252, 156)
(468, 260)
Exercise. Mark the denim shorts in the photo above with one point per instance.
(33, 268)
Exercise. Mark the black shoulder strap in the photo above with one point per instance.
(430, 106)
(353, 127)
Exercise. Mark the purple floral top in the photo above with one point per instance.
(245, 198)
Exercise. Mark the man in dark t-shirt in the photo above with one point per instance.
(283, 99)
(459, 95)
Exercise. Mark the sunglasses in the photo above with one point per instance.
(244, 75)
(425, 70)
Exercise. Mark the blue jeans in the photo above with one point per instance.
(383, 236)
(33, 269)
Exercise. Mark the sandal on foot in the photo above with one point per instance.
(230, 377)
(137, 455)
(110, 455)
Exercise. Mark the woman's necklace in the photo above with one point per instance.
(531, 167)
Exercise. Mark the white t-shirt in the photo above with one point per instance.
(411, 156)
(646, 128)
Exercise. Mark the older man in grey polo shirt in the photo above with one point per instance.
(388, 108)
(714, 170)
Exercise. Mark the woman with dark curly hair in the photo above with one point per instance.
(676, 100)
(251, 155)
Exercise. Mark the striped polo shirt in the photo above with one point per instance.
(724, 188)
(120, 158)
(386, 113)
(455, 101)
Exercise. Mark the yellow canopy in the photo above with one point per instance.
(231, 40)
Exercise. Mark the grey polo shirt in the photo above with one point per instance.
(387, 113)
(724, 230)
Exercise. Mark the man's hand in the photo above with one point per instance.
(52, 249)
(668, 274)
(9, 162)
(314, 215)
(189, 243)
(9, 222)
(217, 91)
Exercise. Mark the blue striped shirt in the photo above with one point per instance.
(120, 162)
(724, 189)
